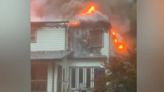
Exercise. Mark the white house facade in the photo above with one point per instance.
(66, 59)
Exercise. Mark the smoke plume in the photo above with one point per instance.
(50, 10)
(117, 11)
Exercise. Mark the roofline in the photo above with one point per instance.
(63, 21)
(75, 58)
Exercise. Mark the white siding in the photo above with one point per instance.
(105, 49)
(85, 63)
(49, 39)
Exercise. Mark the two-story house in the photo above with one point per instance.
(66, 58)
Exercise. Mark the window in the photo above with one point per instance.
(88, 78)
(80, 75)
(99, 79)
(95, 38)
(33, 36)
(39, 77)
(83, 77)
(86, 41)
(73, 77)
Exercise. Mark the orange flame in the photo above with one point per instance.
(119, 44)
(89, 10)
(121, 47)
(74, 23)
(113, 33)
(115, 40)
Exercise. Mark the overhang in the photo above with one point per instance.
(49, 55)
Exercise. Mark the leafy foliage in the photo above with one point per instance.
(121, 74)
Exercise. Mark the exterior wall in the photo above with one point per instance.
(49, 39)
(105, 49)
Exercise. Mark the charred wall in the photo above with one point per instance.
(85, 42)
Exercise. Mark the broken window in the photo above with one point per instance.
(86, 41)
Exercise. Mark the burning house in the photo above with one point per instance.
(67, 56)
(86, 35)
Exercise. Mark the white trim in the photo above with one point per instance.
(63, 78)
(77, 78)
(70, 77)
(55, 77)
(50, 77)
(85, 63)
(92, 78)
(85, 75)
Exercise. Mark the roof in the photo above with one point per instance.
(100, 57)
(58, 55)
(37, 24)
(97, 19)
(49, 55)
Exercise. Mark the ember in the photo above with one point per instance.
(115, 40)
(113, 33)
(121, 47)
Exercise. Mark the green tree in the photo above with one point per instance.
(121, 73)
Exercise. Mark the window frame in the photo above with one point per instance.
(77, 83)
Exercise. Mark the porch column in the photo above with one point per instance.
(50, 77)
(66, 75)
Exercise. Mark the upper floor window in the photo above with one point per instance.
(95, 38)
(86, 41)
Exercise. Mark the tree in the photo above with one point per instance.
(121, 69)
(121, 74)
